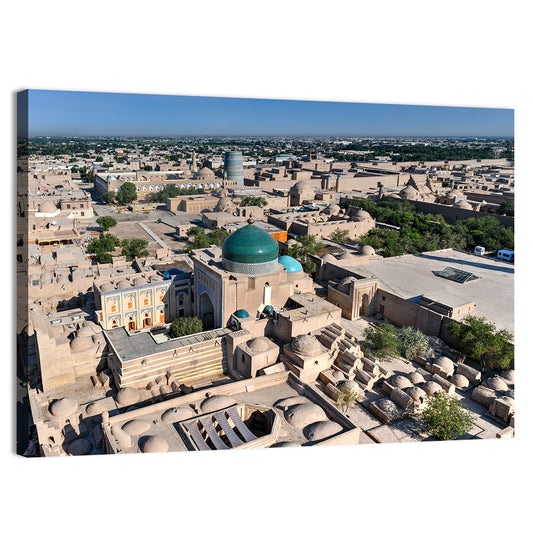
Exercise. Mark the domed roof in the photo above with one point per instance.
(224, 204)
(106, 287)
(127, 396)
(155, 445)
(303, 184)
(80, 343)
(139, 281)
(306, 345)
(445, 363)
(350, 385)
(217, 402)
(250, 244)
(136, 427)
(415, 378)
(292, 400)
(416, 393)
(186, 174)
(123, 284)
(463, 204)
(362, 215)
(400, 381)
(496, 383)
(322, 430)
(268, 309)
(241, 313)
(328, 258)
(301, 415)
(345, 256)
(95, 408)
(259, 344)
(460, 381)
(64, 407)
(453, 193)
(367, 250)
(206, 172)
(177, 414)
(47, 206)
(409, 192)
(431, 387)
(508, 375)
(334, 209)
(290, 264)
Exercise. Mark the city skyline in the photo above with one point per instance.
(73, 113)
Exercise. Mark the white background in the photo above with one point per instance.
(412, 52)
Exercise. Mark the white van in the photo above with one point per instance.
(479, 250)
(506, 255)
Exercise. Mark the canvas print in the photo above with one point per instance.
(203, 273)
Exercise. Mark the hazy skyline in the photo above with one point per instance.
(72, 113)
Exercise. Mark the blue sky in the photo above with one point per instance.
(92, 113)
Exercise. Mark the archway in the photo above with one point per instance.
(147, 320)
(131, 323)
(206, 311)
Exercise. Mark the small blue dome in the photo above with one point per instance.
(290, 264)
(268, 309)
(241, 313)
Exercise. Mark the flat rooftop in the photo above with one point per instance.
(411, 276)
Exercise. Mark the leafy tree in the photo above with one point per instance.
(507, 208)
(345, 398)
(127, 193)
(108, 197)
(340, 236)
(99, 159)
(218, 236)
(253, 201)
(147, 168)
(102, 246)
(105, 223)
(479, 339)
(413, 341)
(382, 341)
(90, 176)
(445, 418)
(309, 267)
(132, 248)
(185, 326)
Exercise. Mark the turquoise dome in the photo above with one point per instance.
(241, 313)
(250, 244)
(290, 264)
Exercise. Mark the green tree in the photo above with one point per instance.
(382, 341)
(507, 208)
(105, 223)
(479, 339)
(309, 267)
(127, 193)
(445, 418)
(218, 236)
(253, 201)
(340, 236)
(108, 197)
(102, 246)
(132, 248)
(185, 326)
(198, 238)
(90, 176)
(345, 398)
(413, 341)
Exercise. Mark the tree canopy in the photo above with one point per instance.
(106, 222)
(127, 193)
(253, 201)
(185, 326)
(132, 248)
(102, 246)
(199, 239)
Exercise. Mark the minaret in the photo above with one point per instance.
(338, 183)
(194, 166)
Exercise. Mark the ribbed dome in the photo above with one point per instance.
(250, 244)
(206, 172)
(290, 264)
(303, 184)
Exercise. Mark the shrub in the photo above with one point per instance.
(382, 341)
(185, 326)
(413, 341)
(345, 398)
(445, 418)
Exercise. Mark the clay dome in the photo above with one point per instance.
(301, 415)
(216, 403)
(136, 427)
(80, 343)
(453, 193)
(337, 374)
(445, 363)
(496, 383)
(367, 250)
(387, 406)
(178, 414)
(259, 344)
(95, 408)
(186, 174)
(409, 193)
(334, 209)
(416, 393)
(128, 396)
(80, 447)
(306, 345)
(206, 172)
(303, 184)
(64, 407)
(220, 192)
(415, 378)
(463, 204)
(123, 284)
(432, 388)
(328, 258)
(400, 381)
(139, 281)
(154, 278)
(47, 207)
(155, 445)
(349, 385)
(362, 215)
(345, 256)
(508, 375)
(224, 204)
(85, 331)
(292, 400)
(106, 287)
(460, 381)
(321, 430)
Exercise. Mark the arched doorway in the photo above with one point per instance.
(147, 320)
(131, 323)
(206, 311)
